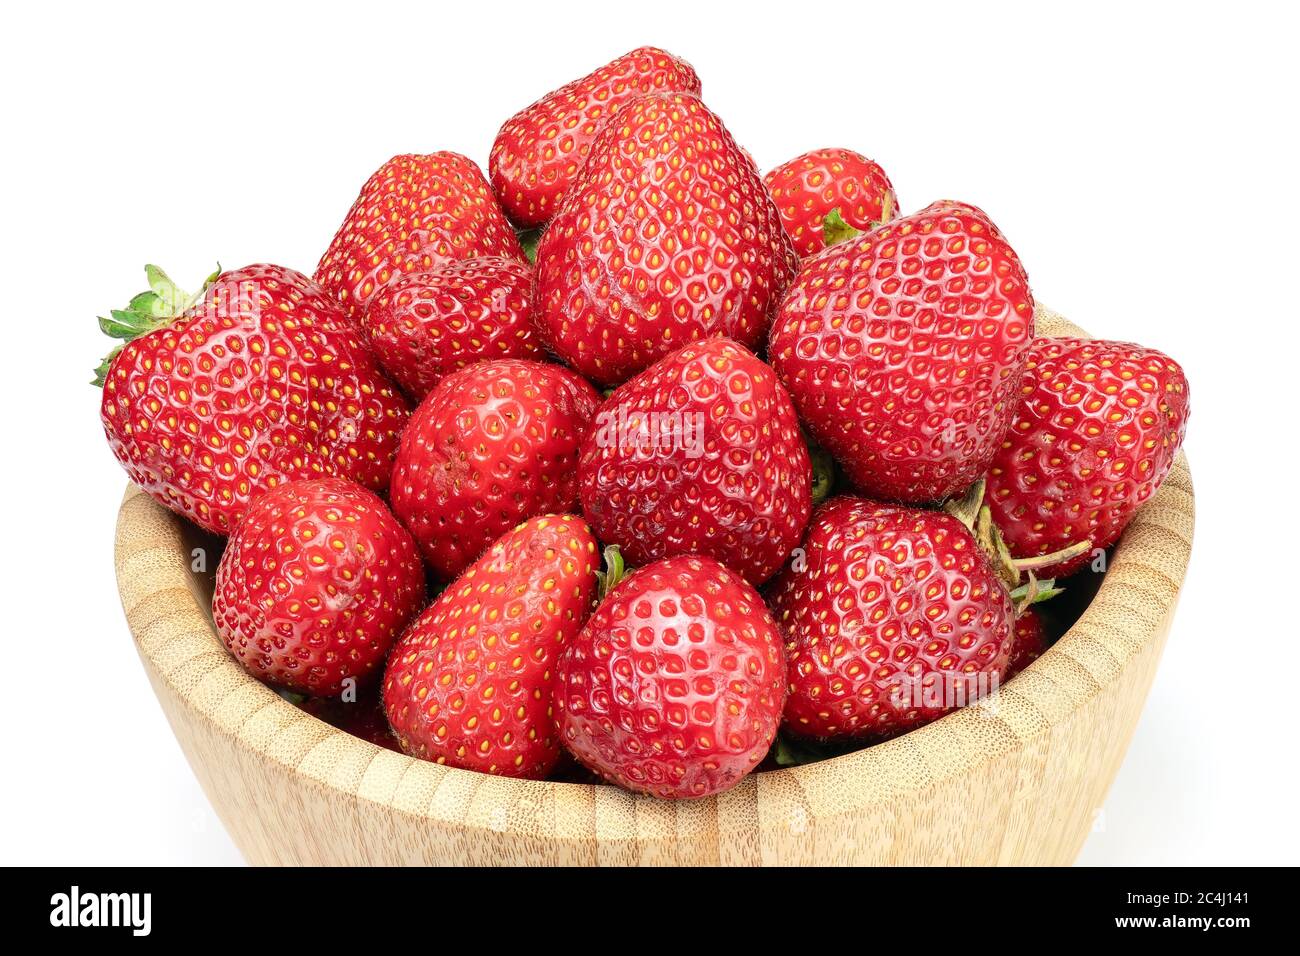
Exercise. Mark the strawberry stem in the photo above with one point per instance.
(1056, 557)
(971, 511)
(1034, 592)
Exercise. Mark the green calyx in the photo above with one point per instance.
(971, 511)
(615, 571)
(529, 238)
(162, 302)
(1034, 592)
(836, 230)
(823, 472)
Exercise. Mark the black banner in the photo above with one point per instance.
(299, 906)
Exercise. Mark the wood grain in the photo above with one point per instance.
(1018, 783)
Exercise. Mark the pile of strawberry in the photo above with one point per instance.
(426, 413)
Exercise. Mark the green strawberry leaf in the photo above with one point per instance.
(823, 472)
(123, 325)
(792, 753)
(614, 572)
(835, 230)
(529, 238)
(101, 370)
(171, 296)
(147, 303)
(148, 310)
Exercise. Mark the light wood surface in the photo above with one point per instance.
(1019, 783)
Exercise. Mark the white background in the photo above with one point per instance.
(1141, 157)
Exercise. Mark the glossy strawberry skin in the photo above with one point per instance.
(415, 212)
(425, 326)
(263, 381)
(674, 687)
(315, 585)
(1095, 433)
(699, 454)
(903, 350)
(808, 187)
(491, 445)
(1028, 642)
(469, 684)
(894, 620)
(539, 151)
(666, 236)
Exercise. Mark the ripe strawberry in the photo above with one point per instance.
(361, 718)
(491, 445)
(809, 188)
(1028, 642)
(414, 213)
(903, 350)
(666, 235)
(700, 453)
(258, 380)
(1095, 434)
(469, 683)
(540, 149)
(674, 688)
(427, 325)
(315, 585)
(893, 618)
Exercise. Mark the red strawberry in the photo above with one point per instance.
(1095, 434)
(667, 235)
(259, 380)
(361, 718)
(892, 618)
(469, 683)
(811, 187)
(700, 453)
(315, 585)
(903, 350)
(414, 213)
(539, 151)
(674, 688)
(491, 445)
(428, 325)
(1028, 642)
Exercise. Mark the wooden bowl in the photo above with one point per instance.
(1019, 783)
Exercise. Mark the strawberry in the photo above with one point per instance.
(1028, 642)
(539, 150)
(361, 718)
(829, 195)
(666, 235)
(258, 380)
(892, 618)
(903, 349)
(469, 683)
(315, 585)
(674, 687)
(491, 445)
(414, 213)
(700, 453)
(1092, 439)
(427, 325)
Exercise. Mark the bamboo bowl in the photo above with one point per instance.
(1016, 784)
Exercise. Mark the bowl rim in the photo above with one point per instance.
(1129, 611)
